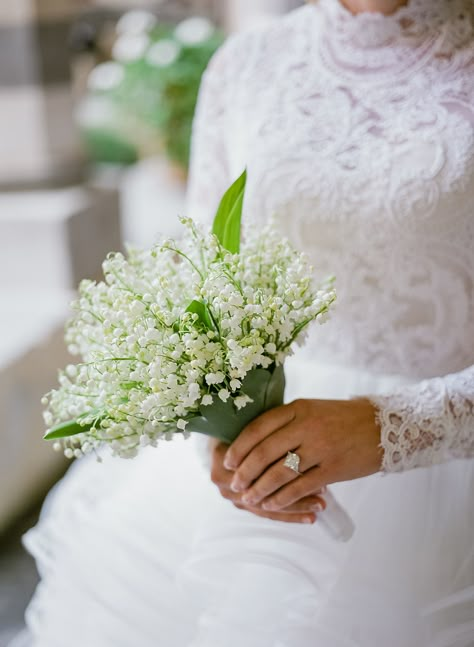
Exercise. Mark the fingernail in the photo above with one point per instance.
(308, 519)
(228, 464)
(236, 486)
(249, 499)
(318, 507)
(269, 506)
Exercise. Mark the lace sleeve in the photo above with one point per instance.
(428, 423)
(209, 169)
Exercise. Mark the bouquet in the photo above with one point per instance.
(187, 337)
(183, 338)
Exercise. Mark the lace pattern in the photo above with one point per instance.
(358, 135)
(429, 423)
(371, 44)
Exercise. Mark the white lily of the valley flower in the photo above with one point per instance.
(242, 401)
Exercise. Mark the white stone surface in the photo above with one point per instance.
(31, 351)
(49, 240)
(39, 136)
(53, 239)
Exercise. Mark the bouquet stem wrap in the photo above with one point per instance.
(222, 420)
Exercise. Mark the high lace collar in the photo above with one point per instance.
(373, 43)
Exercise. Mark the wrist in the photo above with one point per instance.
(371, 434)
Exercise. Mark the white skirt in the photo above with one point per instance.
(146, 553)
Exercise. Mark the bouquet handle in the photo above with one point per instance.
(335, 520)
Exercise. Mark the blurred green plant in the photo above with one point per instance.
(109, 147)
(143, 100)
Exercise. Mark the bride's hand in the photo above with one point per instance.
(303, 511)
(337, 440)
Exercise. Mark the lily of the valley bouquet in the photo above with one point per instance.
(183, 338)
(187, 337)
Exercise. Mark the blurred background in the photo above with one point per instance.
(96, 104)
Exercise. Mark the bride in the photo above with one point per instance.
(355, 119)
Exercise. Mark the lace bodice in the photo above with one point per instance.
(358, 136)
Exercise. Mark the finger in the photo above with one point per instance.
(255, 432)
(270, 450)
(226, 493)
(271, 481)
(310, 504)
(220, 476)
(305, 518)
(297, 489)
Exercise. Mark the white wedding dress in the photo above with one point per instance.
(358, 136)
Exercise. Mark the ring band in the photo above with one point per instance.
(292, 461)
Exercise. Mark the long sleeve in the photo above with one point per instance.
(428, 423)
(209, 170)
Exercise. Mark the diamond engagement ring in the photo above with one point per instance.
(292, 461)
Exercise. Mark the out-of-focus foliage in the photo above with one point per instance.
(143, 100)
(107, 147)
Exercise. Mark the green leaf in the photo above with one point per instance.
(74, 427)
(67, 429)
(223, 421)
(275, 389)
(229, 215)
(202, 311)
